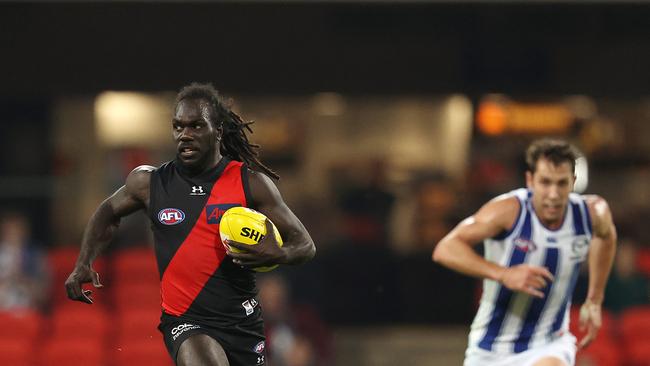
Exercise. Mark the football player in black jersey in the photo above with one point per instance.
(209, 136)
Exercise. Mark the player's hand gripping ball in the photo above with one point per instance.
(245, 226)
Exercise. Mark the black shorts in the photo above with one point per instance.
(244, 343)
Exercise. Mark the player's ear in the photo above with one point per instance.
(529, 179)
(219, 130)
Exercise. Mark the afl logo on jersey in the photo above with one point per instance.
(525, 245)
(171, 216)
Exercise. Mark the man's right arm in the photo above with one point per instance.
(133, 196)
(456, 252)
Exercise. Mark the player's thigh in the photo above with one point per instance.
(550, 361)
(201, 350)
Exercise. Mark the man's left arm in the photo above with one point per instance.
(298, 246)
(601, 256)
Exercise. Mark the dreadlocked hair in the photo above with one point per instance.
(235, 144)
(234, 140)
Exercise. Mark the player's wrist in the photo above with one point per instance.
(82, 266)
(500, 274)
(596, 301)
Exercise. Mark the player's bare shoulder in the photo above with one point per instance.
(502, 210)
(596, 202)
(263, 189)
(138, 181)
(256, 177)
(600, 213)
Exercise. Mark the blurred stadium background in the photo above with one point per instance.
(388, 122)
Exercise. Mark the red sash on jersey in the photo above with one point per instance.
(202, 252)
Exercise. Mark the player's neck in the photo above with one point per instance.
(551, 224)
(210, 163)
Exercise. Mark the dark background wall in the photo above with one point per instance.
(376, 48)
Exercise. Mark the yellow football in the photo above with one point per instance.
(245, 226)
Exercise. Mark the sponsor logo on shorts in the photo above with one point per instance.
(259, 348)
(180, 329)
(171, 216)
(249, 306)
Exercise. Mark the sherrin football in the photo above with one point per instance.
(246, 226)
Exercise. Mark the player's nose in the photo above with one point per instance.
(553, 192)
(185, 135)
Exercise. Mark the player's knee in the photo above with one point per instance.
(550, 361)
(199, 350)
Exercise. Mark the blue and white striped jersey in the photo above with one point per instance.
(512, 322)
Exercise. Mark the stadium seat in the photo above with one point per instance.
(135, 264)
(87, 352)
(604, 350)
(80, 321)
(61, 261)
(23, 325)
(150, 351)
(607, 329)
(137, 295)
(635, 323)
(635, 335)
(139, 324)
(637, 353)
(17, 352)
(643, 261)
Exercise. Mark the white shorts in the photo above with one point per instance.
(563, 348)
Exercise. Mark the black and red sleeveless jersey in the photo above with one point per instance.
(198, 280)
